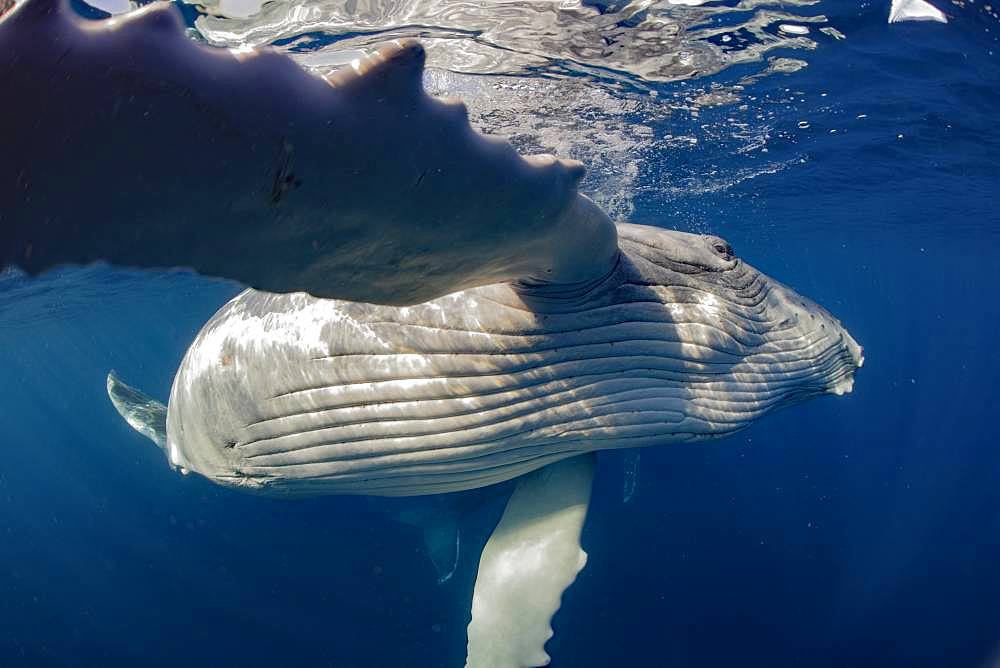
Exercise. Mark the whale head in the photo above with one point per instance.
(747, 344)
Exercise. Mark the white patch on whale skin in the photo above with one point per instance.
(175, 455)
(242, 52)
(709, 305)
(844, 386)
(299, 328)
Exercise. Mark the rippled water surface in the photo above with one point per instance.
(852, 159)
(587, 80)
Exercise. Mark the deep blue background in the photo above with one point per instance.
(853, 531)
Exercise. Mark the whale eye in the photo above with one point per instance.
(722, 248)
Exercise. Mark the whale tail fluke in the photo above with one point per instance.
(143, 413)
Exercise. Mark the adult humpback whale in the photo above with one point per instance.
(472, 318)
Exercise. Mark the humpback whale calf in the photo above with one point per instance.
(429, 312)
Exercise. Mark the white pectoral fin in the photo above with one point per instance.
(532, 557)
(143, 413)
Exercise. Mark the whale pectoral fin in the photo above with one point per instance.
(143, 413)
(441, 544)
(242, 164)
(437, 518)
(533, 555)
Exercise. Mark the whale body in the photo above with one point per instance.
(293, 395)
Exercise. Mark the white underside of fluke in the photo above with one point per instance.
(533, 555)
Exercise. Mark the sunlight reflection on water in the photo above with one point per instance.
(592, 81)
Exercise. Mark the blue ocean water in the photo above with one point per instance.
(849, 531)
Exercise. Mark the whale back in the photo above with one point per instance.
(290, 394)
